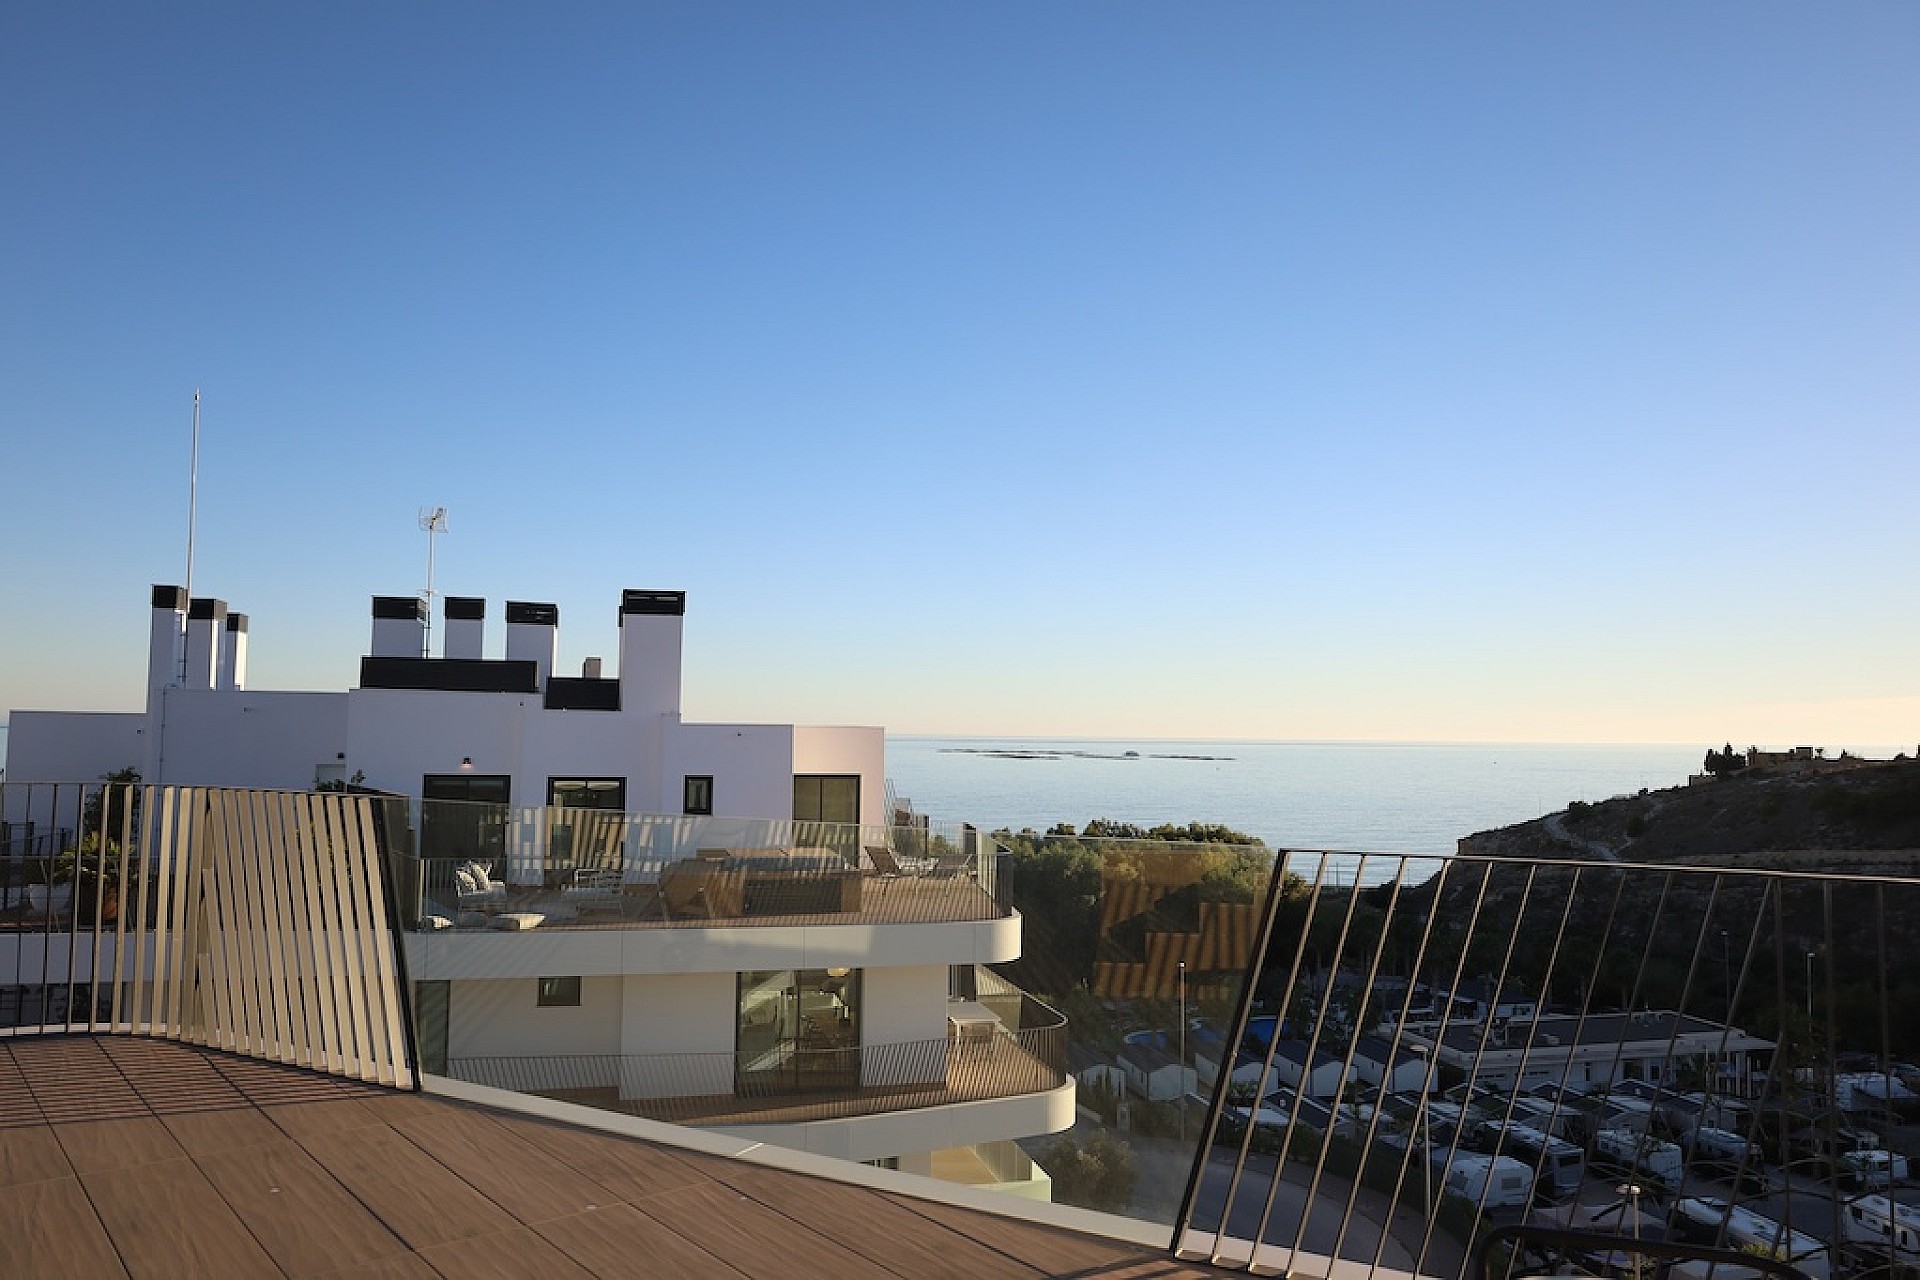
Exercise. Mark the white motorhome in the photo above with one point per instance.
(1561, 1166)
(1491, 1182)
(1718, 1147)
(1707, 1221)
(1866, 1169)
(1875, 1224)
(1640, 1154)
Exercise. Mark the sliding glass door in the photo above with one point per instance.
(798, 1030)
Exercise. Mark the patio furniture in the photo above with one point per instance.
(697, 888)
(476, 889)
(594, 889)
(884, 863)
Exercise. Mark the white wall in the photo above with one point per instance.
(396, 736)
(898, 1005)
(242, 738)
(751, 765)
(689, 1013)
(79, 746)
(503, 1019)
(847, 749)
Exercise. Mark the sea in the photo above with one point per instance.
(1379, 797)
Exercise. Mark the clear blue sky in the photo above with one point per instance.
(1423, 371)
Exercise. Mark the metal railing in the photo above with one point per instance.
(250, 921)
(1469, 1043)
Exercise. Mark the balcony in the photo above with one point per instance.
(464, 867)
(978, 1063)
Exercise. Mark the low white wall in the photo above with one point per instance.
(923, 1129)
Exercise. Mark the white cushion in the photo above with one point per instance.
(516, 920)
(463, 881)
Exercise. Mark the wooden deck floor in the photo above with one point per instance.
(134, 1157)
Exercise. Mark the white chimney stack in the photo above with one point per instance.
(466, 627)
(206, 622)
(651, 626)
(169, 632)
(533, 635)
(233, 653)
(399, 627)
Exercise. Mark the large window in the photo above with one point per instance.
(826, 797)
(585, 829)
(799, 1029)
(473, 822)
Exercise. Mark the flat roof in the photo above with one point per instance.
(148, 1157)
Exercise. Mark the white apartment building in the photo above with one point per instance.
(608, 903)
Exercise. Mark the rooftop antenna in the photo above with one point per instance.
(193, 508)
(433, 523)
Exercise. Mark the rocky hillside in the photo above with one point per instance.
(1862, 818)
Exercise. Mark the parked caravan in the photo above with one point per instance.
(1718, 1147)
(1868, 1169)
(1492, 1182)
(1877, 1226)
(1639, 1153)
(1560, 1167)
(1538, 1113)
(1700, 1220)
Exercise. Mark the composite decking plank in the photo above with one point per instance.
(48, 1228)
(167, 1220)
(508, 1255)
(630, 1169)
(760, 1241)
(302, 1216)
(905, 1242)
(419, 1199)
(1054, 1250)
(97, 1146)
(31, 1155)
(619, 1239)
(520, 1177)
(224, 1129)
(320, 1118)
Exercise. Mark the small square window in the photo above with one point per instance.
(559, 991)
(698, 795)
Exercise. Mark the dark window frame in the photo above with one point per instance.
(696, 794)
(557, 993)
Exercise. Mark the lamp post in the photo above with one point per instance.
(1727, 971)
(1183, 1051)
(1426, 1125)
(1631, 1192)
(1809, 993)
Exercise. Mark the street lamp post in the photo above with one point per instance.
(1426, 1126)
(1809, 993)
(1727, 973)
(1182, 1075)
(1631, 1190)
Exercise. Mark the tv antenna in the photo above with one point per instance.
(433, 523)
(193, 513)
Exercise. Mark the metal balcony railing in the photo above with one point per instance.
(1715, 1053)
(795, 1084)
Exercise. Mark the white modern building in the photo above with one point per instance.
(714, 923)
(460, 725)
